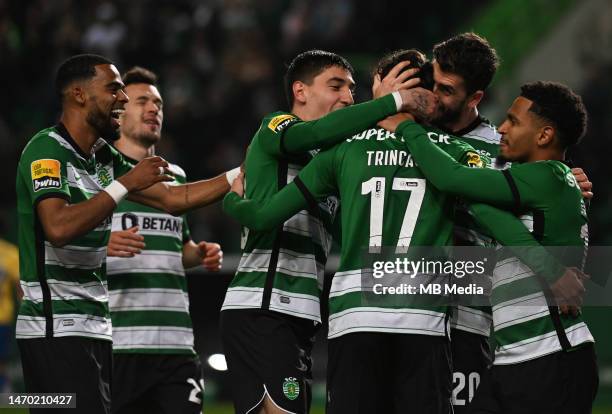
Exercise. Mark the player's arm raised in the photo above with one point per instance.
(446, 174)
(63, 221)
(295, 136)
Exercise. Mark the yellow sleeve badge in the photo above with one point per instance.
(474, 160)
(280, 122)
(46, 174)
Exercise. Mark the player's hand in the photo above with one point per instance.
(391, 123)
(238, 185)
(147, 172)
(583, 181)
(212, 256)
(394, 81)
(125, 243)
(569, 288)
(569, 311)
(419, 102)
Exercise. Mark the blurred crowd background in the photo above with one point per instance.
(221, 63)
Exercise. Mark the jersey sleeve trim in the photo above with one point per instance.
(63, 196)
(514, 189)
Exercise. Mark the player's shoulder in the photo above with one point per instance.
(45, 140)
(46, 146)
(276, 122)
(482, 130)
(447, 141)
(548, 172)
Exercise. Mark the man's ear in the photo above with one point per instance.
(299, 92)
(78, 94)
(475, 99)
(546, 136)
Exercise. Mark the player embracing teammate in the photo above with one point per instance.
(463, 68)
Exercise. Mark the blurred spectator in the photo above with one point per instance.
(106, 33)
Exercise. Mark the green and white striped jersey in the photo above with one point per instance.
(483, 136)
(148, 292)
(386, 202)
(522, 323)
(282, 270)
(525, 325)
(65, 288)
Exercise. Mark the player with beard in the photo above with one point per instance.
(464, 66)
(155, 366)
(69, 181)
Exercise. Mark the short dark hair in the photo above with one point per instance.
(469, 56)
(78, 67)
(417, 60)
(138, 74)
(307, 65)
(559, 105)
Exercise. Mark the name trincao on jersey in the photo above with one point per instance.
(393, 157)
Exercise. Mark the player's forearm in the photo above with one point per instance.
(178, 199)
(63, 222)
(337, 125)
(511, 233)
(476, 184)
(261, 216)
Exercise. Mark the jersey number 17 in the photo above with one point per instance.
(376, 187)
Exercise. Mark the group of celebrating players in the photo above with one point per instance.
(103, 245)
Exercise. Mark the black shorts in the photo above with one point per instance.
(69, 364)
(559, 383)
(471, 357)
(147, 384)
(268, 353)
(370, 372)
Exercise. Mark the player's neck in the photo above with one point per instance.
(304, 113)
(466, 119)
(547, 155)
(134, 149)
(83, 134)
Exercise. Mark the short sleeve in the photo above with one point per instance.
(43, 170)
